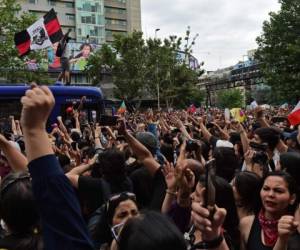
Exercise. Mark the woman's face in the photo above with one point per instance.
(275, 195)
(86, 51)
(125, 210)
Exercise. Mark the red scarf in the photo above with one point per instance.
(269, 228)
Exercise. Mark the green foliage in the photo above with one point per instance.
(232, 98)
(99, 62)
(279, 51)
(140, 66)
(12, 67)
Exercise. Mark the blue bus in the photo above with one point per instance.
(65, 96)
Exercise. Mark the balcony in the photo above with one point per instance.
(115, 4)
(116, 27)
(115, 16)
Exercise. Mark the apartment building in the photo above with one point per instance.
(100, 19)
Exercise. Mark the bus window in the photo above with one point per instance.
(10, 107)
(89, 112)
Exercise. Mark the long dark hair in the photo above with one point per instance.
(248, 186)
(149, 231)
(19, 211)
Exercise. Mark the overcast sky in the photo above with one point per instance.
(227, 28)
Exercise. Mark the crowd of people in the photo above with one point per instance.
(154, 180)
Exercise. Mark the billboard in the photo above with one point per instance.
(78, 57)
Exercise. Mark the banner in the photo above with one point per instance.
(42, 34)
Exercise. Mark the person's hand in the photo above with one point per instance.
(248, 157)
(97, 131)
(178, 123)
(286, 226)
(121, 126)
(237, 126)
(37, 105)
(169, 173)
(200, 120)
(210, 229)
(259, 112)
(59, 119)
(83, 98)
(185, 177)
(75, 114)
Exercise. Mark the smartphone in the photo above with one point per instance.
(107, 120)
(210, 190)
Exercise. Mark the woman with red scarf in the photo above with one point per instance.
(278, 196)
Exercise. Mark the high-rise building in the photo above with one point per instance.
(98, 19)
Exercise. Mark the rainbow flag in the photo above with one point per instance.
(122, 108)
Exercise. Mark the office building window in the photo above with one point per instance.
(89, 6)
(115, 22)
(70, 5)
(90, 19)
(70, 17)
(51, 3)
(115, 10)
(32, 1)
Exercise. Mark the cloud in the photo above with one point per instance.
(226, 28)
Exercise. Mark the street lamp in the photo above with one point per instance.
(157, 82)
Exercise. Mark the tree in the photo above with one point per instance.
(12, 67)
(279, 51)
(139, 67)
(99, 63)
(232, 98)
(129, 71)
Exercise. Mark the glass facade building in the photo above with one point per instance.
(100, 19)
(90, 21)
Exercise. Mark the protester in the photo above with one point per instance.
(89, 183)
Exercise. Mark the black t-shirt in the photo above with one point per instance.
(95, 191)
(149, 191)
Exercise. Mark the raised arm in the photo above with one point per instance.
(143, 154)
(17, 161)
(206, 134)
(62, 222)
(13, 125)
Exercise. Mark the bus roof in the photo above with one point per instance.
(57, 90)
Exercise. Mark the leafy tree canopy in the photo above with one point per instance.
(12, 67)
(279, 51)
(232, 98)
(139, 67)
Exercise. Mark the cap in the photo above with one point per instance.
(69, 110)
(148, 140)
(224, 144)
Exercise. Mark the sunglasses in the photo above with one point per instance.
(116, 229)
(120, 196)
